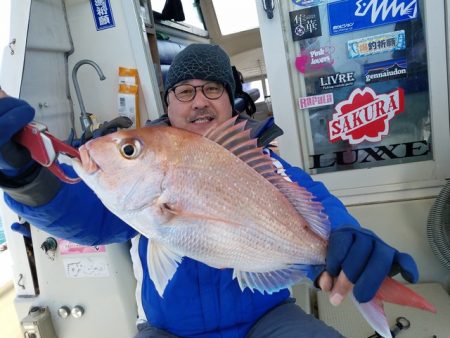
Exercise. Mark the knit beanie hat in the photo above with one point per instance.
(202, 62)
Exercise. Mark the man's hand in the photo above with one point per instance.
(14, 115)
(357, 259)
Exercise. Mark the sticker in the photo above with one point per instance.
(337, 80)
(315, 59)
(384, 154)
(376, 44)
(103, 17)
(385, 70)
(69, 248)
(316, 101)
(305, 23)
(365, 116)
(86, 267)
(363, 14)
(305, 3)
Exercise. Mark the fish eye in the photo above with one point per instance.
(130, 149)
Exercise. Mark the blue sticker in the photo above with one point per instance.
(376, 44)
(306, 2)
(103, 16)
(385, 70)
(352, 15)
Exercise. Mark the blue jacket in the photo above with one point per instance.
(199, 301)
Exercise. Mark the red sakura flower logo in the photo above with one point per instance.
(365, 116)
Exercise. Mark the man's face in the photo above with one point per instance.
(201, 113)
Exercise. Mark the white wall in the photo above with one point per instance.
(403, 225)
(5, 8)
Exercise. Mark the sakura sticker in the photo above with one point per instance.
(376, 44)
(315, 59)
(316, 101)
(365, 115)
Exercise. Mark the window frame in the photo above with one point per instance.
(361, 186)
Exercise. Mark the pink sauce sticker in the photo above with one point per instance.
(70, 248)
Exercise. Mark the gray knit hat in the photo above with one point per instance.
(203, 62)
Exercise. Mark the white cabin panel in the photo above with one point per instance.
(14, 54)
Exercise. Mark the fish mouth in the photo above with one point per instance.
(87, 162)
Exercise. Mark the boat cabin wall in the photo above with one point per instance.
(63, 33)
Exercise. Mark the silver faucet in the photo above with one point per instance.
(86, 122)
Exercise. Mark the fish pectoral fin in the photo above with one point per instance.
(270, 281)
(162, 264)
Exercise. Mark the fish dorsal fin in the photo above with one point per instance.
(162, 264)
(271, 281)
(236, 139)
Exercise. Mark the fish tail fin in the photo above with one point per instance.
(390, 291)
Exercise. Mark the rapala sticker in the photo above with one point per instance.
(316, 101)
(365, 115)
(315, 59)
(337, 80)
(376, 44)
(305, 23)
(306, 2)
(385, 70)
(363, 14)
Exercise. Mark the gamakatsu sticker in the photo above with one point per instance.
(365, 115)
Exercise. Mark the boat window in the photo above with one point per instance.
(258, 84)
(364, 86)
(235, 16)
(191, 9)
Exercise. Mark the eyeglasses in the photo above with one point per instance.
(187, 92)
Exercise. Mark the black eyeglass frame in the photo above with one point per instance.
(195, 90)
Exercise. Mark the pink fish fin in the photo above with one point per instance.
(212, 132)
(392, 291)
(162, 264)
(271, 281)
(303, 202)
(373, 313)
(237, 140)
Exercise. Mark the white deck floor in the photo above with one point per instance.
(9, 323)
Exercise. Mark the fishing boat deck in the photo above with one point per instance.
(9, 323)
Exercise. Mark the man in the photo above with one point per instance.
(199, 301)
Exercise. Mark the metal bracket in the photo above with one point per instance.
(269, 6)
